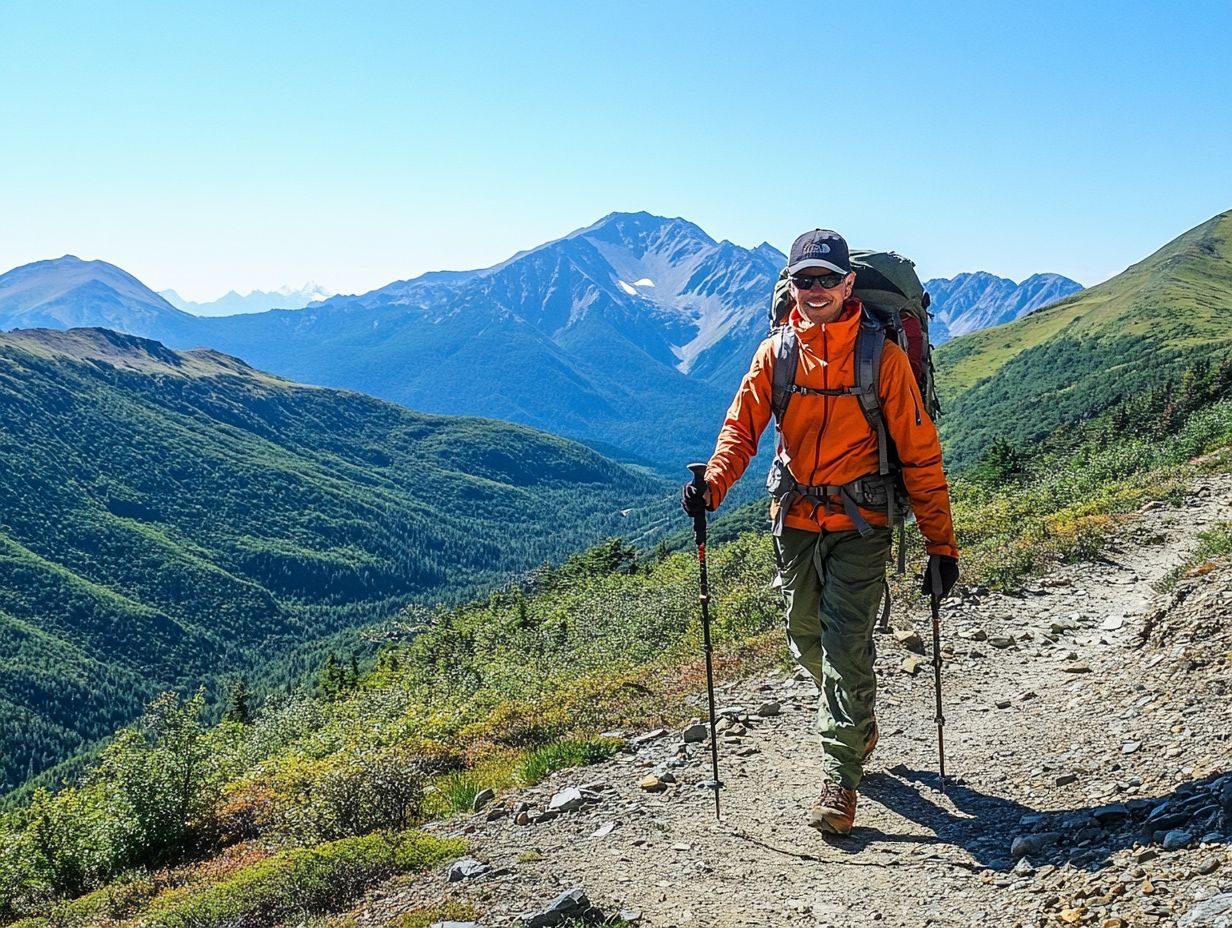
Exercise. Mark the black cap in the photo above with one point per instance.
(819, 248)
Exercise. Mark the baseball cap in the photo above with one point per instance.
(819, 248)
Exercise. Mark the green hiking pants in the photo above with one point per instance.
(832, 583)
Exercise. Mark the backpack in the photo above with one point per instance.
(896, 306)
(890, 289)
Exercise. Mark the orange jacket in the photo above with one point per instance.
(827, 440)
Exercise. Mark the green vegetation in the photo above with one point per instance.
(1214, 546)
(1137, 332)
(167, 517)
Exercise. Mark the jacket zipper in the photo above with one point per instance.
(825, 400)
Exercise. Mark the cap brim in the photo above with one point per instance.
(815, 262)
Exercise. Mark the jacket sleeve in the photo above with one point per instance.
(746, 420)
(919, 451)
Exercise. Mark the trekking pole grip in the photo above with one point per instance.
(699, 520)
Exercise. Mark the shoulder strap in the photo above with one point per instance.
(786, 358)
(870, 343)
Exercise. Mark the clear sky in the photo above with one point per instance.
(222, 145)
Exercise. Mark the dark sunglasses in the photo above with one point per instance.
(827, 281)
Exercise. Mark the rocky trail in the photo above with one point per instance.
(1089, 765)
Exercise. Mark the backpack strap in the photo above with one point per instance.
(786, 359)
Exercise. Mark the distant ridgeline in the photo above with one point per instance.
(165, 517)
(1095, 350)
(631, 334)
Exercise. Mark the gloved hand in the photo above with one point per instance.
(948, 568)
(692, 502)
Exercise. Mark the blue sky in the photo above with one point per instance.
(209, 146)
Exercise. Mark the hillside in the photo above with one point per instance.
(303, 810)
(1059, 364)
(167, 516)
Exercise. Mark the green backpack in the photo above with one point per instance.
(890, 289)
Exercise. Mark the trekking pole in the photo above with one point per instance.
(936, 604)
(699, 536)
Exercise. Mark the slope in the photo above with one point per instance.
(1069, 360)
(170, 516)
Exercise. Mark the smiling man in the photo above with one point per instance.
(829, 495)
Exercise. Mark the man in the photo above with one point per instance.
(832, 573)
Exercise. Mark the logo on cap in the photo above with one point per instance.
(819, 248)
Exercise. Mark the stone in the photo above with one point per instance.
(567, 800)
(695, 733)
(910, 639)
(1130, 747)
(1077, 667)
(604, 830)
(569, 904)
(1145, 855)
(466, 868)
(911, 665)
(649, 736)
(1207, 865)
(1215, 912)
(1001, 641)
(1004, 703)
(1024, 867)
(652, 784)
(1111, 814)
(482, 798)
(523, 818)
(732, 712)
(1065, 779)
(632, 916)
(496, 812)
(1177, 839)
(769, 709)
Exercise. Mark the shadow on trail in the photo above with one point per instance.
(986, 826)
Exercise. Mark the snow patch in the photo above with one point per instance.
(626, 288)
(644, 282)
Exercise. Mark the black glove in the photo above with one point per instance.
(948, 567)
(693, 500)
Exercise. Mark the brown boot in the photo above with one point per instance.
(834, 811)
(870, 743)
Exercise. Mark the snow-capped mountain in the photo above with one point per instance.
(630, 334)
(256, 301)
(970, 302)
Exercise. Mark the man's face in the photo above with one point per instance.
(820, 304)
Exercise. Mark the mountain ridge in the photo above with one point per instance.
(168, 516)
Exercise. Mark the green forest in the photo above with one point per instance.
(166, 517)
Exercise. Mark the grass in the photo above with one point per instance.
(571, 752)
(446, 911)
(1214, 545)
(300, 882)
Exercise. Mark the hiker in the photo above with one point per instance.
(832, 528)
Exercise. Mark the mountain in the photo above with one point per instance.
(630, 334)
(1067, 361)
(257, 301)
(970, 302)
(166, 517)
(69, 292)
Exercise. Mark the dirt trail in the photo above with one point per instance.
(1063, 732)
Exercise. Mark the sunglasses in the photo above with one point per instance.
(826, 281)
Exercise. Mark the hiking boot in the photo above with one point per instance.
(870, 743)
(834, 811)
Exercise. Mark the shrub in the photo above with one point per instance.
(303, 881)
(343, 796)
